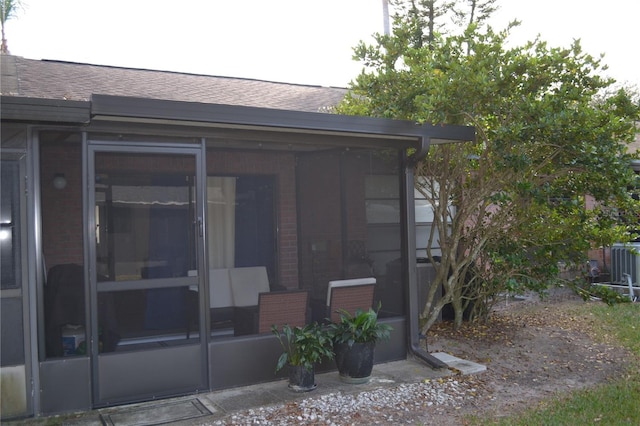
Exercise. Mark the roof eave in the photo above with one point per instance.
(107, 108)
(40, 110)
(118, 108)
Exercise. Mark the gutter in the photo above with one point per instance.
(433, 135)
(44, 111)
(413, 336)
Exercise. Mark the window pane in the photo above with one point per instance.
(11, 332)
(9, 225)
(383, 211)
(241, 241)
(384, 238)
(424, 211)
(64, 310)
(422, 239)
(141, 319)
(382, 186)
(144, 216)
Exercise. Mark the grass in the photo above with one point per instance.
(622, 322)
(613, 403)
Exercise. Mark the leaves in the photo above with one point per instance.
(550, 139)
(304, 346)
(361, 327)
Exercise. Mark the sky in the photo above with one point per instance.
(293, 41)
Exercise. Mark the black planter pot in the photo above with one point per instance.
(354, 363)
(301, 379)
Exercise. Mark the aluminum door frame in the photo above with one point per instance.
(188, 363)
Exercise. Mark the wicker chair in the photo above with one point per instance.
(349, 295)
(282, 307)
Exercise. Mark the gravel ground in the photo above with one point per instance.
(385, 406)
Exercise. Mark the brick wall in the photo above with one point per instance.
(62, 239)
(330, 185)
(320, 221)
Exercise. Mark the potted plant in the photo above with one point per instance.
(303, 348)
(354, 340)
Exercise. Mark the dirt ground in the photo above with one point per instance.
(533, 350)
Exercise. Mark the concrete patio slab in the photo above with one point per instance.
(465, 367)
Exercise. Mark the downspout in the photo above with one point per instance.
(35, 273)
(409, 231)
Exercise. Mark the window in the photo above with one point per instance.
(424, 222)
(382, 200)
(241, 240)
(241, 222)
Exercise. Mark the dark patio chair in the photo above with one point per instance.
(274, 307)
(282, 307)
(349, 295)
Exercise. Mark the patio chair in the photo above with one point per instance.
(349, 295)
(282, 307)
(275, 307)
(247, 283)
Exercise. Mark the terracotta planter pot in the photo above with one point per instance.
(301, 379)
(354, 363)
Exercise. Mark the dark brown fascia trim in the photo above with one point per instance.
(283, 137)
(443, 134)
(128, 108)
(37, 110)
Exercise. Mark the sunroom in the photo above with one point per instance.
(154, 231)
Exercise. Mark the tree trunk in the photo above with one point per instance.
(4, 49)
(458, 308)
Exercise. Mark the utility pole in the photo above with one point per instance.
(385, 16)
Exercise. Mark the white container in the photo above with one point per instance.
(72, 336)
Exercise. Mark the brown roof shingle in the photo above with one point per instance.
(74, 81)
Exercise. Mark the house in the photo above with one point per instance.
(144, 213)
(601, 264)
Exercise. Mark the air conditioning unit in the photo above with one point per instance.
(625, 260)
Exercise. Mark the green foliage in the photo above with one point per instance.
(8, 9)
(551, 138)
(474, 11)
(607, 294)
(304, 346)
(362, 327)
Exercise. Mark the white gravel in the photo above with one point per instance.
(379, 406)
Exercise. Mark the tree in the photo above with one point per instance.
(8, 10)
(423, 15)
(468, 12)
(427, 15)
(509, 207)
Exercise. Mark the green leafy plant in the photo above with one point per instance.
(606, 294)
(550, 128)
(361, 327)
(303, 346)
